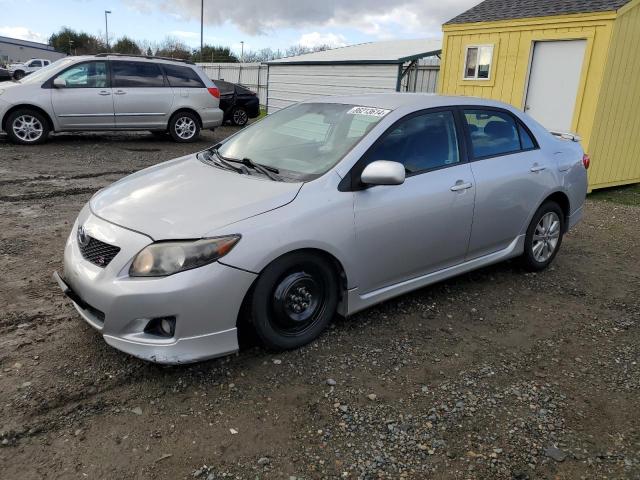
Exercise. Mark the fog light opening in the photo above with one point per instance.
(162, 327)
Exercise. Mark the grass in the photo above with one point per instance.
(625, 195)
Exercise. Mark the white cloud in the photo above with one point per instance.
(23, 33)
(184, 34)
(315, 39)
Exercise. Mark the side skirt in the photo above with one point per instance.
(356, 302)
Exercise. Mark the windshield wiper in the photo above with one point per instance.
(221, 161)
(264, 169)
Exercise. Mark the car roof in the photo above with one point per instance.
(137, 58)
(415, 101)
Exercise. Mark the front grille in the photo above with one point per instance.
(97, 252)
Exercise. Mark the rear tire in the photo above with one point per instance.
(544, 237)
(27, 127)
(184, 127)
(18, 74)
(293, 300)
(239, 116)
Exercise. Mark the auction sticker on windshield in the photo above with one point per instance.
(372, 112)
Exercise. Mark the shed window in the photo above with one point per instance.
(477, 65)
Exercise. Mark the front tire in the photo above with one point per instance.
(293, 300)
(544, 237)
(184, 127)
(27, 127)
(18, 74)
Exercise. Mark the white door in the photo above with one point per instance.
(554, 78)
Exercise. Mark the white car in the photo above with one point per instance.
(19, 70)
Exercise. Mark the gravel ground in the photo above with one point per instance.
(497, 374)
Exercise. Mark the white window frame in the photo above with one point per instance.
(466, 56)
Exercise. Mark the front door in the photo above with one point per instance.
(554, 79)
(405, 231)
(141, 97)
(85, 101)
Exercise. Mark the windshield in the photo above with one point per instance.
(304, 140)
(43, 73)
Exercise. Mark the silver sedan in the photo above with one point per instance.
(324, 208)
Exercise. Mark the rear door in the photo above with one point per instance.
(85, 102)
(141, 96)
(511, 175)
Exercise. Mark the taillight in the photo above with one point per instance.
(586, 161)
(214, 91)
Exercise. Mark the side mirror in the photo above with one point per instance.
(59, 82)
(383, 172)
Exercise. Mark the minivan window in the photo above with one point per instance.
(492, 132)
(86, 75)
(183, 77)
(136, 74)
(421, 142)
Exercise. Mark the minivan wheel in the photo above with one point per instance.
(293, 301)
(184, 127)
(27, 127)
(544, 237)
(239, 116)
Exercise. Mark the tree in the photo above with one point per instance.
(173, 48)
(127, 46)
(263, 55)
(213, 54)
(73, 42)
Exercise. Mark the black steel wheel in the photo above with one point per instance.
(293, 301)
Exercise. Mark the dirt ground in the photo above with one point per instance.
(497, 374)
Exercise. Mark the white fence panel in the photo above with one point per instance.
(251, 75)
(423, 78)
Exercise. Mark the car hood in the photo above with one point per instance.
(186, 198)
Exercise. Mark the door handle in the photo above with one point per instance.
(104, 92)
(120, 92)
(460, 185)
(537, 168)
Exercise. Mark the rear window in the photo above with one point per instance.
(183, 77)
(136, 74)
(225, 88)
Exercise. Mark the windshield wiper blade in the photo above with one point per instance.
(220, 160)
(264, 169)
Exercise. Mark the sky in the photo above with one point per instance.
(275, 24)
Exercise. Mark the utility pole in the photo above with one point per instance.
(201, 27)
(242, 50)
(106, 27)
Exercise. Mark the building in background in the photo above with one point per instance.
(377, 67)
(13, 50)
(573, 65)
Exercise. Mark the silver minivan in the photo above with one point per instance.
(110, 92)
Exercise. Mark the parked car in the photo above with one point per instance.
(328, 206)
(5, 75)
(110, 92)
(238, 103)
(20, 70)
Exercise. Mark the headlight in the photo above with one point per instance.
(166, 258)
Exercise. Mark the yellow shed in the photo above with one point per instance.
(573, 65)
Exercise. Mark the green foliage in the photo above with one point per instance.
(127, 46)
(625, 195)
(76, 43)
(212, 53)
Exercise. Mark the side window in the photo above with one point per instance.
(136, 74)
(477, 62)
(492, 133)
(35, 63)
(183, 77)
(420, 143)
(526, 141)
(86, 75)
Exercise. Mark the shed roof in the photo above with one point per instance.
(389, 52)
(493, 10)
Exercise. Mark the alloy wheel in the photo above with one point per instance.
(546, 237)
(27, 128)
(185, 128)
(240, 117)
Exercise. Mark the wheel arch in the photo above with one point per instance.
(186, 109)
(25, 106)
(331, 259)
(562, 199)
